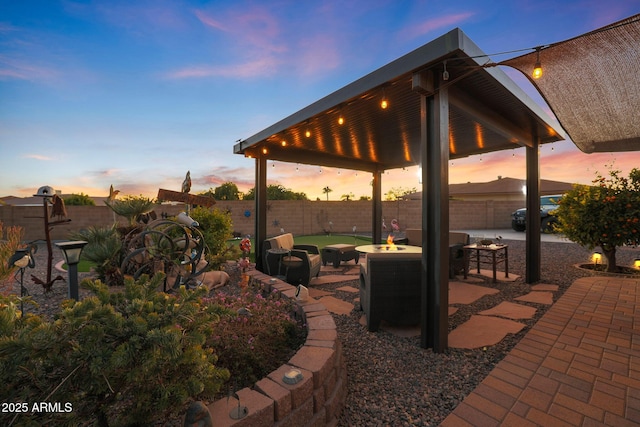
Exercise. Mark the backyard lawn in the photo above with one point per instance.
(320, 240)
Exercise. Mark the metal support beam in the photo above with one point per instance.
(434, 158)
(376, 198)
(260, 210)
(532, 270)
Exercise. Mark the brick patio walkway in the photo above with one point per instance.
(578, 366)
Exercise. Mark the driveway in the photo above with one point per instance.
(509, 234)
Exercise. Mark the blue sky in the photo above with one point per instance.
(135, 93)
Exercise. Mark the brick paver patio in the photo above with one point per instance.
(578, 366)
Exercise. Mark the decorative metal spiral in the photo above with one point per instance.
(166, 246)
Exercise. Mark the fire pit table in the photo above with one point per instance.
(386, 247)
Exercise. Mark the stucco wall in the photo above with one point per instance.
(297, 217)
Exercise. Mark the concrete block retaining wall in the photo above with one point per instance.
(294, 216)
(315, 401)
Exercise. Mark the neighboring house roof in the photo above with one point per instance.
(500, 186)
(37, 200)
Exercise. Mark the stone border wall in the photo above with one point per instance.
(294, 216)
(315, 401)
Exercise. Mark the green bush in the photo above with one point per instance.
(606, 214)
(129, 358)
(216, 228)
(78, 200)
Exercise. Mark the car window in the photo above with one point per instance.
(549, 200)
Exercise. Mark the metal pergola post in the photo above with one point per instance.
(434, 158)
(532, 273)
(261, 210)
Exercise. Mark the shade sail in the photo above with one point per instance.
(592, 84)
(488, 112)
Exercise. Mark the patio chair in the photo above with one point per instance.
(457, 240)
(299, 263)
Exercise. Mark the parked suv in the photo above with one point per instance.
(548, 204)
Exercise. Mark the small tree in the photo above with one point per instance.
(78, 200)
(227, 191)
(605, 215)
(326, 190)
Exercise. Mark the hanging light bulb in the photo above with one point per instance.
(445, 73)
(537, 68)
(284, 143)
(264, 150)
(384, 103)
(307, 133)
(340, 120)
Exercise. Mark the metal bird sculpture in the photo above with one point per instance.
(58, 209)
(186, 184)
(112, 193)
(46, 285)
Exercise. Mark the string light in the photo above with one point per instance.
(537, 68)
(384, 104)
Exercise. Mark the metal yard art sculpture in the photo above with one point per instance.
(173, 247)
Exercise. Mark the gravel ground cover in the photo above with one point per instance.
(394, 382)
(391, 380)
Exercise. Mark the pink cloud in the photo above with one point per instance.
(259, 67)
(430, 25)
(13, 68)
(38, 157)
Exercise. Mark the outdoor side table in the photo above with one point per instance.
(493, 254)
(339, 252)
(279, 253)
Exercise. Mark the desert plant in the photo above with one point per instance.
(131, 207)
(8, 247)
(104, 250)
(128, 358)
(606, 214)
(262, 331)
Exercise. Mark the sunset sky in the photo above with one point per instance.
(136, 93)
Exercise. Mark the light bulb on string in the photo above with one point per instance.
(537, 68)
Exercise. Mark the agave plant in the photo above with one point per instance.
(131, 207)
(104, 249)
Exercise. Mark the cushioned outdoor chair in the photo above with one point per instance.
(298, 263)
(457, 240)
(390, 285)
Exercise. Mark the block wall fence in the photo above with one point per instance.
(294, 216)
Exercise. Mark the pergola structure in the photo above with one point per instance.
(442, 103)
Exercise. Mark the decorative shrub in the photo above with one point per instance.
(264, 330)
(216, 227)
(8, 246)
(606, 214)
(128, 358)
